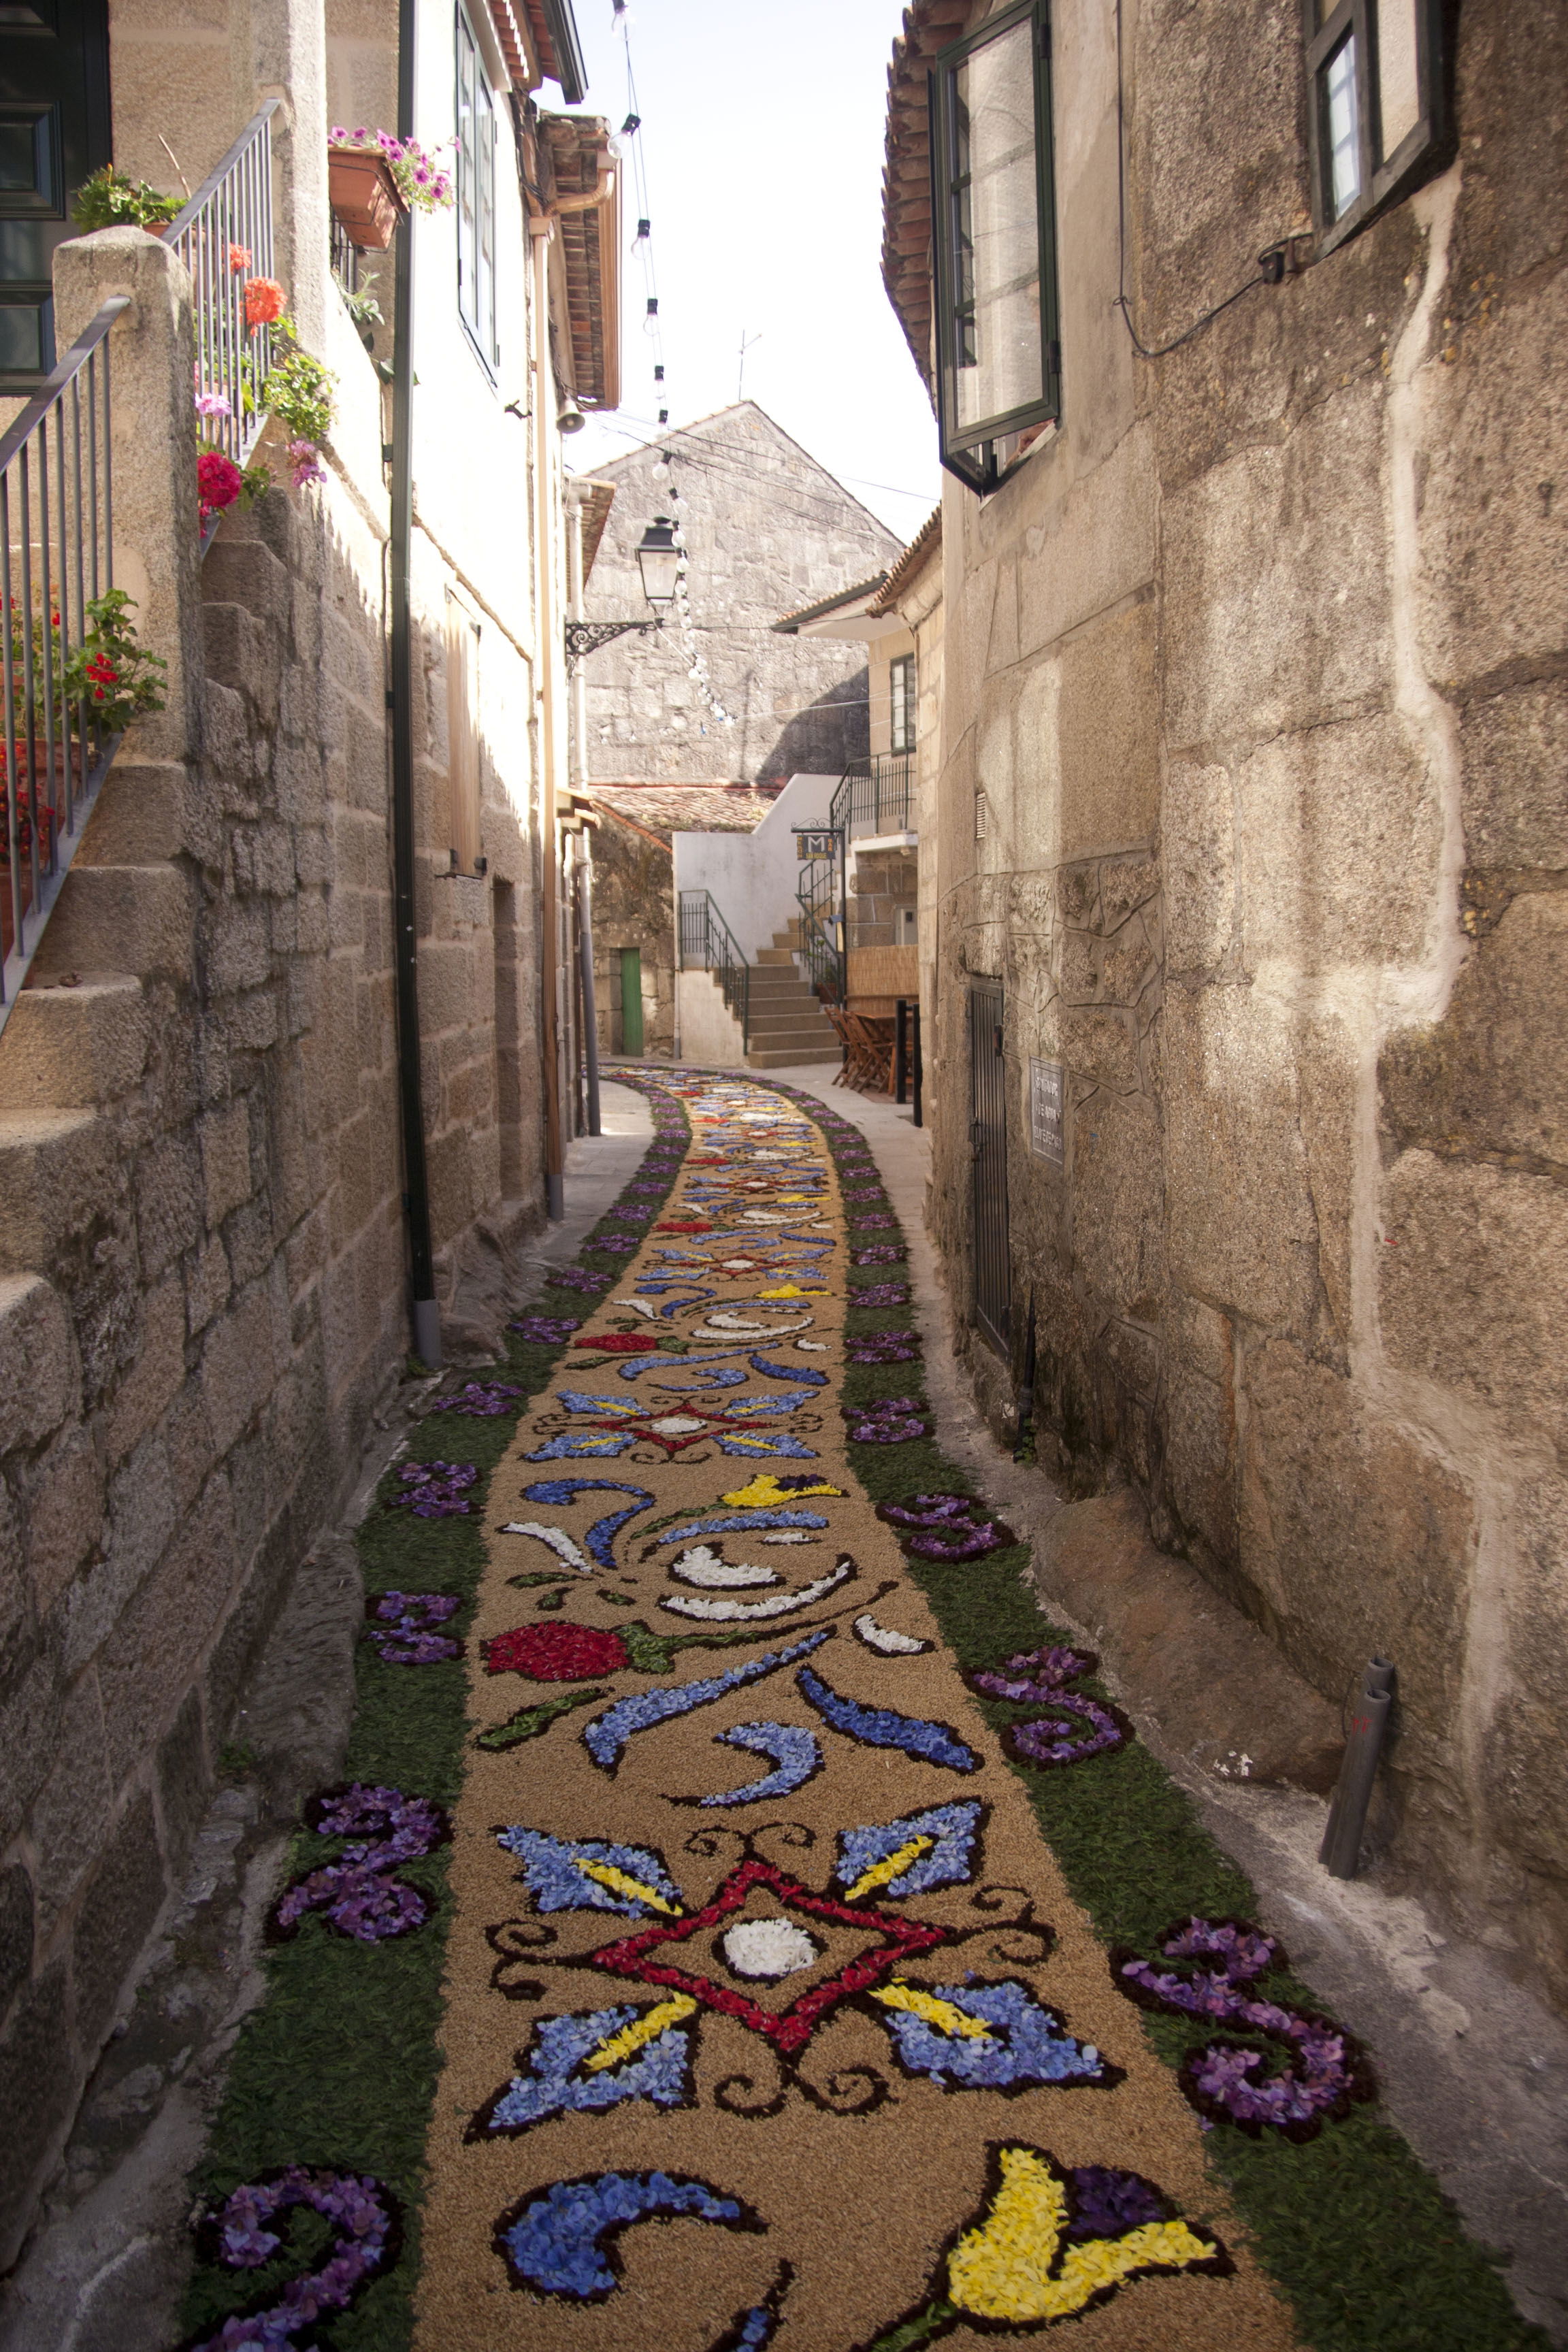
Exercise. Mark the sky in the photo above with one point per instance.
(762, 152)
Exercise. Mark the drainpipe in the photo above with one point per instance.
(580, 777)
(426, 1315)
(550, 653)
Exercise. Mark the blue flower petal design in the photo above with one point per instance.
(600, 1538)
(950, 1860)
(554, 2243)
(1026, 2045)
(552, 1873)
(660, 2070)
(727, 1523)
(796, 1751)
(605, 1737)
(883, 1726)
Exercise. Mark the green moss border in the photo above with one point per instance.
(1352, 2225)
(338, 2066)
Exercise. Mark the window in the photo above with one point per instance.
(901, 703)
(1379, 112)
(998, 359)
(476, 196)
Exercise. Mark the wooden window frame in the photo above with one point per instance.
(901, 739)
(1384, 179)
(465, 781)
(982, 455)
(475, 177)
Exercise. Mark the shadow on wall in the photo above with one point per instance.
(822, 740)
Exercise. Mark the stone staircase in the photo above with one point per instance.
(788, 1023)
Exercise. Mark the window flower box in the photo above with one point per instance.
(364, 197)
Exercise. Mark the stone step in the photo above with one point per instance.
(780, 987)
(116, 919)
(75, 1047)
(773, 1040)
(772, 1058)
(57, 1173)
(774, 956)
(795, 1013)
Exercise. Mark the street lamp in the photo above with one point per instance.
(658, 561)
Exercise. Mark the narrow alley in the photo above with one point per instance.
(782, 1162)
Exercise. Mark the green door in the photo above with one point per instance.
(631, 1003)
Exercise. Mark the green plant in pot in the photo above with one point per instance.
(111, 199)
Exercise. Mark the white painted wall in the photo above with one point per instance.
(710, 1033)
(753, 875)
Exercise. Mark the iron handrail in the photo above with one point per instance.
(706, 940)
(230, 216)
(819, 896)
(57, 556)
(875, 796)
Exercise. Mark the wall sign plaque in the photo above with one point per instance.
(1045, 1112)
(820, 844)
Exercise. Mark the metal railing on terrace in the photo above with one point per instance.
(224, 236)
(875, 796)
(708, 944)
(57, 536)
(56, 559)
(820, 895)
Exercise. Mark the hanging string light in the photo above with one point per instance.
(695, 658)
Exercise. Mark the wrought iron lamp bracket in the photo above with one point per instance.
(587, 636)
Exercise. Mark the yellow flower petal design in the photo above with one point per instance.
(891, 1866)
(645, 2028)
(794, 1290)
(942, 2015)
(1001, 2269)
(621, 1881)
(764, 1491)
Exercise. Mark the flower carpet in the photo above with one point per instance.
(743, 1919)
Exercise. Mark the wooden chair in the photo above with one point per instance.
(872, 1051)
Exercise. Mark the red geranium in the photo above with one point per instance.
(555, 1653)
(623, 1343)
(263, 303)
(219, 481)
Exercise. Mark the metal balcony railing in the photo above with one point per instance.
(708, 944)
(224, 236)
(57, 557)
(875, 796)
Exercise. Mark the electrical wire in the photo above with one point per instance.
(1144, 349)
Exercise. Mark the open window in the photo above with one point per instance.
(476, 193)
(999, 358)
(1378, 113)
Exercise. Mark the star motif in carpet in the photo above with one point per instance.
(789, 2030)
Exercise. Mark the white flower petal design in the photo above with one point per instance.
(556, 1537)
(813, 1347)
(702, 1565)
(885, 1641)
(779, 1605)
(725, 1321)
(768, 1948)
(792, 1535)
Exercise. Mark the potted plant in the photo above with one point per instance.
(373, 180)
(111, 199)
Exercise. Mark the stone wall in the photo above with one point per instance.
(633, 906)
(203, 1282)
(768, 530)
(1251, 768)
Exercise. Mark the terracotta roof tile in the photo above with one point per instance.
(925, 544)
(929, 25)
(665, 809)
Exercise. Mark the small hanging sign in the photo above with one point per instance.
(1045, 1112)
(815, 844)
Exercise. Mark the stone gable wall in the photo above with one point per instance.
(768, 530)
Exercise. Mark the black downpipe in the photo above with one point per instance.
(426, 1315)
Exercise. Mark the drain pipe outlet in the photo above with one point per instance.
(1341, 1851)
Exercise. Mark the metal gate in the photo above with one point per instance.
(988, 1151)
